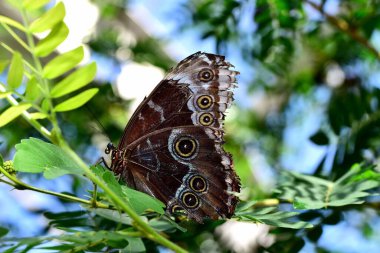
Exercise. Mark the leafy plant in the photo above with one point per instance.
(42, 85)
(39, 98)
(308, 192)
(36, 77)
(270, 216)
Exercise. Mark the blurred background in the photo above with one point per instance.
(308, 101)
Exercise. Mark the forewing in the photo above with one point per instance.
(176, 101)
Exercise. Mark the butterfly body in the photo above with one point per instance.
(172, 146)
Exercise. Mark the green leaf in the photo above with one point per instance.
(113, 184)
(11, 22)
(63, 63)
(38, 115)
(3, 231)
(114, 215)
(3, 65)
(49, 19)
(142, 202)
(139, 201)
(87, 237)
(273, 217)
(15, 3)
(64, 215)
(109, 178)
(165, 224)
(308, 192)
(77, 101)
(25, 244)
(32, 91)
(1, 160)
(366, 175)
(245, 206)
(33, 4)
(36, 156)
(134, 245)
(55, 171)
(12, 113)
(76, 80)
(56, 36)
(60, 248)
(45, 105)
(16, 71)
(89, 241)
(68, 220)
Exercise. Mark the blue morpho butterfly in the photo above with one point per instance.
(172, 145)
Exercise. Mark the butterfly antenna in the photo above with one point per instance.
(99, 124)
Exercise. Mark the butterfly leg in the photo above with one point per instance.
(101, 160)
(110, 148)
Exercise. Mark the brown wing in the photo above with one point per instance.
(174, 100)
(185, 109)
(187, 168)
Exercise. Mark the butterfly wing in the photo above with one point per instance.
(187, 168)
(172, 146)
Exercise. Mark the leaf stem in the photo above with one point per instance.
(18, 184)
(94, 195)
(26, 115)
(15, 36)
(6, 182)
(10, 50)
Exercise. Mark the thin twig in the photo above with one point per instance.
(23, 186)
(345, 27)
(7, 182)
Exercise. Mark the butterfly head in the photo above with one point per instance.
(110, 148)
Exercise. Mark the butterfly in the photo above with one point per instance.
(171, 147)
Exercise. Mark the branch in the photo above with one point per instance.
(19, 185)
(345, 27)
